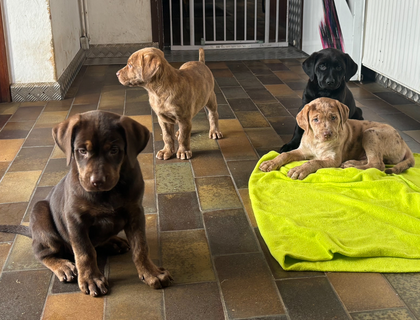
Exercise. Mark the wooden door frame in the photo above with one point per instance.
(157, 21)
(4, 69)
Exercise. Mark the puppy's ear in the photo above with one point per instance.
(136, 136)
(302, 118)
(351, 67)
(63, 135)
(150, 66)
(309, 65)
(343, 110)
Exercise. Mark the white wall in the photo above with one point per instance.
(42, 38)
(28, 40)
(66, 32)
(119, 21)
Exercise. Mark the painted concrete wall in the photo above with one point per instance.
(42, 38)
(66, 32)
(28, 36)
(119, 21)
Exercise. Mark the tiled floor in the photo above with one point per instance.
(200, 224)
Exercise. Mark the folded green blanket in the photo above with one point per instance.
(339, 219)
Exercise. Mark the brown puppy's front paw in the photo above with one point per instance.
(66, 271)
(94, 284)
(215, 134)
(268, 166)
(115, 245)
(164, 154)
(184, 154)
(298, 173)
(157, 279)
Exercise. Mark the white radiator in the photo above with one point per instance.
(392, 41)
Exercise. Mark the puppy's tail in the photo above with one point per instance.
(19, 229)
(405, 164)
(201, 55)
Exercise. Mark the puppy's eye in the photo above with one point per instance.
(82, 151)
(114, 150)
(315, 119)
(322, 67)
(130, 65)
(333, 117)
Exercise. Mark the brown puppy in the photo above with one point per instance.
(332, 140)
(100, 196)
(176, 95)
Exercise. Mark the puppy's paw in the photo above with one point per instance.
(215, 134)
(268, 166)
(93, 284)
(66, 271)
(299, 173)
(157, 278)
(115, 245)
(164, 154)
(183, 153)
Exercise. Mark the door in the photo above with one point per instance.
(4, 70)
(225, 23)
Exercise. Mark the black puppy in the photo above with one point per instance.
(328, 71)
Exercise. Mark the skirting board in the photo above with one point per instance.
(105, 54)
(44, 91)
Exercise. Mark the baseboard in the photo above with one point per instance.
(44, 91)
(105, 54)
(369, 74)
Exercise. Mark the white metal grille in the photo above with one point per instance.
(228, 23)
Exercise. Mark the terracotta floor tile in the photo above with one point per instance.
(145, 120)
(219, 73)
(179, 211)
(194, 301)
(364, 291)
(153, 237)
(269, 79)
(200, 142)
(241, 171)
(398, 314)
(247, 286)
(82, 108)
(40, 194)
(10, 148)
(244, 194)
(393, 98)
(56, 169)
(146, 162)
(39, 137)
(18, 186)
(290, 102)
(235, 144)
(242, 105)
(21, 257)
(279, 89)
(261, 95)
(415, 134)
(217, 193)
(16, 130)
(64, 307)
(3, 119)
(251, 119)
(4, 251)
(186, 255)
(283, 125)
(264, 138)
(149, 198)
(9, 108)
(227, 81)
(57, 153)
(31, 159)
(23, 294)
(112, 97)
(209, 163)
(228, 232)
(11, 213)
(50, 119)
(311, 296)
(26, 113)
(58, 105)
(174, 177)
(3, 168)
(407, 286)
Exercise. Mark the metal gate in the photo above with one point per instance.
(219, 24)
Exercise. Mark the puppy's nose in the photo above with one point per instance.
(330, 82)
(97, 180)
(327, 134)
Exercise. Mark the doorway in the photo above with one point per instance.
(220, 24)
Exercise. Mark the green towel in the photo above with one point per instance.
(339, 219)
